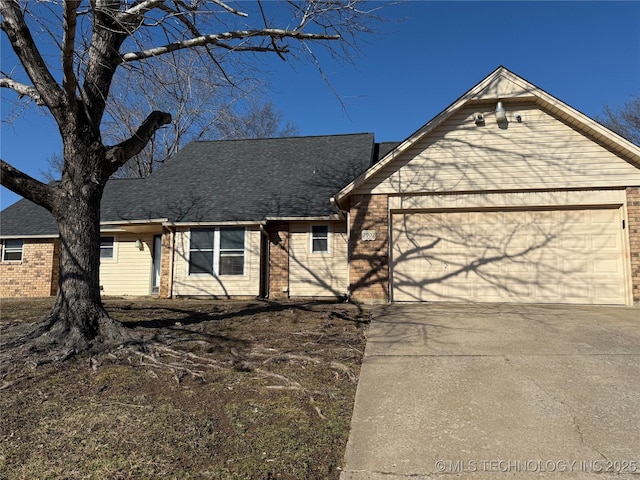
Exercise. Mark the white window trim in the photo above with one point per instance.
(114, 247)
(324, 252)
(12, 250)
(216, 253)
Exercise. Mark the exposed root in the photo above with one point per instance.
(343, 368)
(55, 339)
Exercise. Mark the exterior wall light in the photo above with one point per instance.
(501, 113)
(139, 244)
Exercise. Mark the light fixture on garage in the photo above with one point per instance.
(139, 244)
(501, 113)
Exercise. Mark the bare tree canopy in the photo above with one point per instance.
(625, 120)
(68, 54)
(227, 122)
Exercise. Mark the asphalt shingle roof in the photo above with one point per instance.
(224, 181)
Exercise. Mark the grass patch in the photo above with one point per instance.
(234, 390)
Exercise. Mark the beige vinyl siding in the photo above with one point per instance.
(224, 285)
(540, 152)
(503, 87)
(129, 272)
(317, 274)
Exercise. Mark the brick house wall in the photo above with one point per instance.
(369, 259)
(36, 275)
(166, 263)
(278, 260)
(633, 214)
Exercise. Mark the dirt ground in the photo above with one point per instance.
(220, 390)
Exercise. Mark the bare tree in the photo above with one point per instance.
(94, 39)
(200, 114)
(258, 121)
(625, 120)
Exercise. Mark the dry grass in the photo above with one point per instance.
(227, 390)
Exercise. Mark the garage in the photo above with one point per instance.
(526, 255)
(507, 195)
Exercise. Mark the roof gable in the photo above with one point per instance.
(500, 85)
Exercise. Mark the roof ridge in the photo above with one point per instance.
(283, 138)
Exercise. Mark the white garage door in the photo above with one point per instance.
(542, 256)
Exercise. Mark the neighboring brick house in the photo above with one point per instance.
(508, 195)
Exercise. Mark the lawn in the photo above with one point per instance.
(229, 390)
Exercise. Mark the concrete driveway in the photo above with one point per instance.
(498, 391)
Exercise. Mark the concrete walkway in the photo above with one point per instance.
(498, 391)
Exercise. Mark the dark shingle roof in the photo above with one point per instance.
(384, 148)
(220, 181)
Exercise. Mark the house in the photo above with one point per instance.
(508, 195)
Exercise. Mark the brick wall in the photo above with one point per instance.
(633, 213)
(166, 264)
(369, 259)
(36, 275)
(278, 260)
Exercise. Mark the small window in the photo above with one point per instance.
(319, 238)
(231, 260)
(12, 250)
(201, 251)
(106, 247)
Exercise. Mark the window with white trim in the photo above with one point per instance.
(231, 254)
(319, 238)
(107, 247)
(12, 250)
(219, 251)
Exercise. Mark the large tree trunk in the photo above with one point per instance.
(78, 320)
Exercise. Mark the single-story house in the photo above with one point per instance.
(508, 195)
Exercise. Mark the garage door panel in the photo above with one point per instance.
(524, 256)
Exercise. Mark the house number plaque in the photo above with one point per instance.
(368, 235)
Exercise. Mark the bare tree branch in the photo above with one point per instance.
(219, 38)
(14, 25)
(625, 120)
(69, 20)
(120, 153)
(230, 9)
(25, 185)
(138, 9)
(22, 89)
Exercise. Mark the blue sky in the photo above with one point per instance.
(587, 54)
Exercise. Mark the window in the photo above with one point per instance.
(12, 250)
(231, 260)
(106, 247)
(201, 251)
(319, 238)
(217, 251)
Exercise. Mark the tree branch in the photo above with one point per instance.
(118, 154)
(14, 25)
(69, 20)
(219, 38)
(22, 89)
(26, 186)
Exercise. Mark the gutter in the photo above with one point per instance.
(336, 206)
